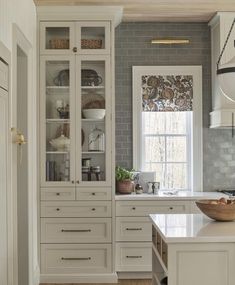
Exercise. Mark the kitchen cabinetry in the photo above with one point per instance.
(76, 138)
(184, 246)
(134, 232)
(223, 108)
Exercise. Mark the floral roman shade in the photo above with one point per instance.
(167, 93)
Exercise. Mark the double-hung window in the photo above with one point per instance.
(167, 125)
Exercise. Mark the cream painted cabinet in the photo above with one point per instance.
(76, 137)
(75, 121)
(134, 231)
(78, 37)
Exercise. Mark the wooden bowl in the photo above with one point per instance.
(219, 212)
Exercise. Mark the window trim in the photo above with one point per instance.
(197, 152)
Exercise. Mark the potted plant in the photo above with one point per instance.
(124, 180)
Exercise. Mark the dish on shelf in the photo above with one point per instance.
(93, 101)
(60, 143)
(90, 78)
(220, 210)
(93, 113)
(62, 79)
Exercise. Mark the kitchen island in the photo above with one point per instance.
(191, 249)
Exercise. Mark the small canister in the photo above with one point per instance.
(86, 162)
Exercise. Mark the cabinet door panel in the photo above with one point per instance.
(75, 258)
(57, 92)
(134, 256)
(55, 194)
(75, 230)
(93, 193)
(71, 209)
(133, 229)
(144, 208)
(93, 37)
(57, 37)
(93, 105)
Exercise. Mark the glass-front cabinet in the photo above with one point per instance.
(95, 112)
(75, 120)
(75, 37)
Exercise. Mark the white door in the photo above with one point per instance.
(3, 180)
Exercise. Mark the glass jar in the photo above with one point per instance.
(96, 140)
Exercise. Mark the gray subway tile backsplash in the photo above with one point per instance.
(133, 48)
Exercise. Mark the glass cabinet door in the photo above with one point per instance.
(57, 37)
(57, 121)
(94, 121)
(93, 37)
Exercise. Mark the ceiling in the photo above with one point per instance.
(157, 10)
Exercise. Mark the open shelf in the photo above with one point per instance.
(93, 152)
(92, 87)
(58, 120)
(93, 120)
(57, 152)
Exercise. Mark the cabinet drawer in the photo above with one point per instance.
(71, 258)
(134, 256)
(132, 229)
(57, 194)
(144, 208)
(75, 230)
(75, 209)
(93, 194)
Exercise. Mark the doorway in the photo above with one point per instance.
(24, 161)
(22, 169)
(4, 169)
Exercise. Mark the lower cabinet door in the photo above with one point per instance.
(75, 258)
(134, 256)
(75, 230)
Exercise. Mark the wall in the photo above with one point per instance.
(23, 14)
(133, 48)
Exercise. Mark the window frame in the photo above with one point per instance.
(196, 142)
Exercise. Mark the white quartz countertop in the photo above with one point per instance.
(168, 195)
(192, 228)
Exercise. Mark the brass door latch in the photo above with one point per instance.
(17, 137)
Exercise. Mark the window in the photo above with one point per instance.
(168, 142)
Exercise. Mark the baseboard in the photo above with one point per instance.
(89, 278)
(36, 276)
(134, 275)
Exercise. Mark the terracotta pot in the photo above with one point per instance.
(125, 186)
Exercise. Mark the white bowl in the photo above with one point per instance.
(93, 113)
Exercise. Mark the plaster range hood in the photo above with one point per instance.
(223, 113)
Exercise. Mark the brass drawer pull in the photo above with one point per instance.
(134, 229)
(57, 194)
(75, 231)
(93, 193)
(134, 256)
(75, 258)
(75, 49)
(93, 209)
(171, 208)
(57, 209)
(133, 208)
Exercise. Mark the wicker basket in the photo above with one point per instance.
(91, 44)
(59, 44)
